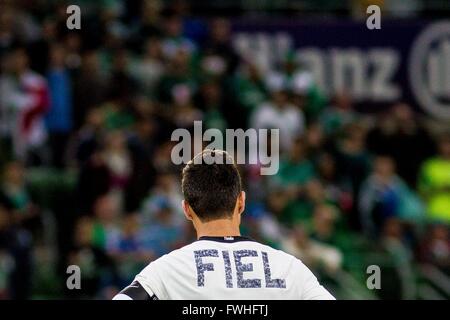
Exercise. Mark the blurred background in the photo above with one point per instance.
(86, 117)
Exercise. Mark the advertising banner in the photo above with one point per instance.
(406, 60)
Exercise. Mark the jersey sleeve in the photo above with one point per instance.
(309, 286)
(150, 278)
(135, 291)
(122, 296)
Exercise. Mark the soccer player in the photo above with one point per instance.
(221, 264)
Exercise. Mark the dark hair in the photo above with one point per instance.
(211, 187)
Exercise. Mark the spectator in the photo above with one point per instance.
(88, 139)
(119, 107)
(149, 24)
(435, 248)
(295, 181)
(16, 242)
(337, 191)
(149, 68)
(434, 182)
(6, 260)
(174, 41)
(89, 87)
(14, 189)
(321, 256)
(295, 169)
(353, 163)
(93, 181)
(249, 90)
(118, 161)
(183, 112)
(213, 104)
(178, 72)
(97, 266)
(130, 254)
(393, 242)
(41, 47)
(219, 56)
(26, 100)
(338, 115)
(59, 117)
(307, 95)
(166, 193)
(141, 144)
(401, 136)
(383, 195)
(279, 113)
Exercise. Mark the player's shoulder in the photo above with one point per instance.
(176, 254)
(278, 253)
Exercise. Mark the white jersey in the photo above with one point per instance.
(230, 268)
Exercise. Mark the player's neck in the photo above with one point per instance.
(218, 228)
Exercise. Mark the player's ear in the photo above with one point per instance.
(187, 210)
(241, 202)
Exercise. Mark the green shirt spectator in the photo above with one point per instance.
(434, 183)
(295, 173)
(249, 88)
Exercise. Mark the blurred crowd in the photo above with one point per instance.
(87, 179)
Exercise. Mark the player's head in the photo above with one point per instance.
(212, 187)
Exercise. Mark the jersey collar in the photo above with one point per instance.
(227, 239)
